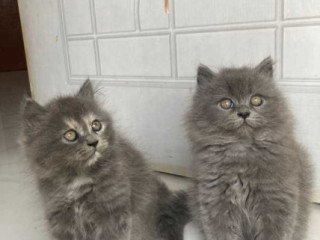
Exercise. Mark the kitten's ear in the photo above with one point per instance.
(266, 67)
(32, 115)
(86, 90)
(205, 76)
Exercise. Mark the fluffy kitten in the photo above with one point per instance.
(252, 179)
(94, 183)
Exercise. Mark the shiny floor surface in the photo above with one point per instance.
(21, 216)
(21, 212)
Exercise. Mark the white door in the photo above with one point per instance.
(144, 60)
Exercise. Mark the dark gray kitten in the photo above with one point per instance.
(252, 179)
(94, 183)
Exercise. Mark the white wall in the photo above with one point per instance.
(145, 61)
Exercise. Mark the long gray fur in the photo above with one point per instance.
(252, 180)
(106, 192)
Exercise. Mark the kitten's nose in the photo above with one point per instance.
(93, 143)
(244, 115)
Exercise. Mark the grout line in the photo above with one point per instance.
(173, 14)
(314, 17)
(281, 75)
(278, 39)
(281, 4)
(169, 78)
(122, 34)
(301, 24)
(65, 39)
(137, 23)
(226, 25)
(231, 27)
(199, 30)
(93, 17)
(95, 41)
(97, 57)
(173, 46)
(139, 35)
(294, 81)
(181, 31)
(288, 86)
(281, 38)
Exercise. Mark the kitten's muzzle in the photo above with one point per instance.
(243, 115)
(93, 143)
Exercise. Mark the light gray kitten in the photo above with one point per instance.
(252, 179)
(94, 183)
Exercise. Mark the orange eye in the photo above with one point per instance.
(226, 104)
(70, 135)
(256, 101)
(96, 125)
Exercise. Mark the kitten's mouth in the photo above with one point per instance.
(93, 158)
(94, 154)
(91, 155)
(245, 124)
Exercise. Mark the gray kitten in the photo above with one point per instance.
(94, 183)
(252, 179)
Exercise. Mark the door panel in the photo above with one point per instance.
(146, 72)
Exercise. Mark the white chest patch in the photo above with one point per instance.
(94, 159)
(74, 187)
(79, 181)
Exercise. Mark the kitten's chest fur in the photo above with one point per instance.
(238, 188)
(89, 197)
(234, 172)
(79, 187)
(235, 183)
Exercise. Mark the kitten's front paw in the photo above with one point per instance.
(192, 232)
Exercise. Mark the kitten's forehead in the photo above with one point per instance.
(81, 124)
(89, 118)
(72, 106)
(71, 123)
(241, 82)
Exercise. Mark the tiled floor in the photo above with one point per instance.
(21, 215)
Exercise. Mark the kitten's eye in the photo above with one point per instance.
(96, 125)
(226, 104)
(70, 135)
(256, 101)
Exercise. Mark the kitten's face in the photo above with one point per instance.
(77, 130)
(238, 99)
(83, 138)
(69, 130)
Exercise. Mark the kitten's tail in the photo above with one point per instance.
(173, 214)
